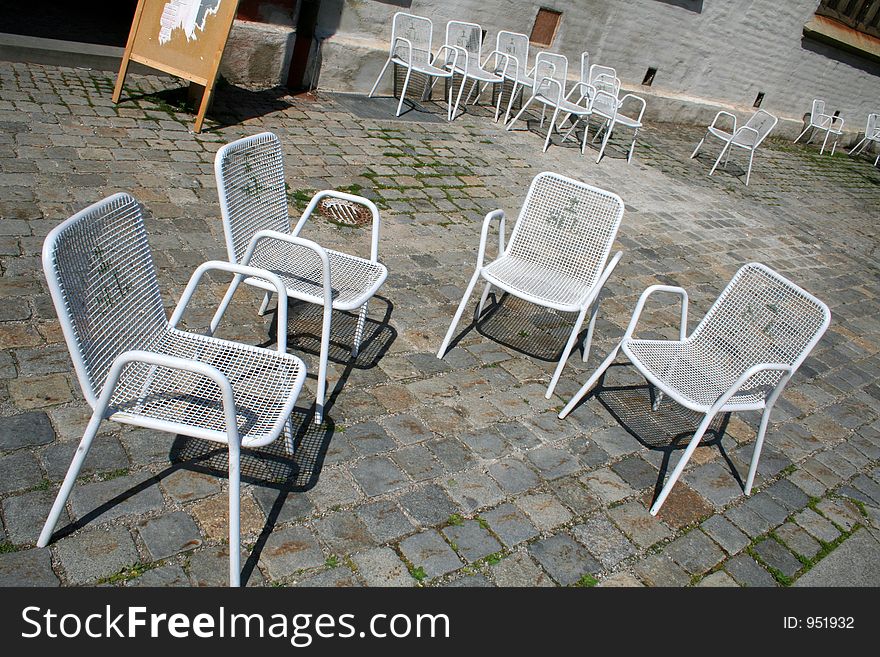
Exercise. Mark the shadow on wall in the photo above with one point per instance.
(690, 5)
(844, 56)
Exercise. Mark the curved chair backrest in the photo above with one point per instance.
(872, 127)
(550, 65)
(103, 283)
(762, 122)
(250, 183)
(468, 36)
(596, 70)
(417, 30)
(817, 110)
(607, 90)
(761, 317)
(585, 67)
(516, 45)
(566, 226)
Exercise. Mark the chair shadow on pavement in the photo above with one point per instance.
(667, 430)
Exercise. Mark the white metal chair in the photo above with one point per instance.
(613, 117)
(581, 86)
(596, 70)
(511, 63)
(748, 136)
(411, 38)
(135, 366)
(872, 134)
(557, 256)
(548, 88)
(250, 182)
(738, 358)
(822, 122)
(467, 40)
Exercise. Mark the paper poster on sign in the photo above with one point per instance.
(181, 37)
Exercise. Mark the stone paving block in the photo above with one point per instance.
(471, 540)
(378, 475)
(144, 446)
(106, 454)
(842, 513)
(588, 453)
(513, 475)
(764, 506)
(517, 435)
(280, 507)
(475, 580)
(616, 442)
(209, 566)
(40, 391)
(552, 462)
(816, 526)
(776, 556)
(106, 500)
(748, 572)
(640, 527)
(168, 575)
(407, 429)
(186, 485)
(603, 540)
(544, 510)
(695, 552)
(564, 559)
(486, 443)
(575, 495)
(340, 577)
(18, 471)
(25, 430)
(428, 505)
(26, 513)
(96, 553)
(429, 551)
(635, 471)
(170, 534)
(382, 567)
(788, 495)
(717, 579)
(27, 568)
(510, 524)
(715, 482)
(369, 438)
(384, 520)
(519, 569)
(797, 540)
(852, 563)
(212, 514)
(869, 488)
(725, 533)
(607, 486)
(334, 488)
(811, 486)
(620, 580)
(343, 532)
(660, 570)
(750, 522)
(290, 550)
(473, 490)
(453, 456)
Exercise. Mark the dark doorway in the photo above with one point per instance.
(305, 36)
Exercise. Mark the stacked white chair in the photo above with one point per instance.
(466, 39)
(819, 121)
(512, 64)
(747, 137)
(548, 88)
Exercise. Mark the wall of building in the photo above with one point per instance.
(708, 54)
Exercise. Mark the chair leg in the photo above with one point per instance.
(834, 145)
(519, 114)
(454, 109)
(825, 142)
(759, 443)
(632, 146)
(403, 91)
(586, 135)
(543, 113)
(694, 154)
(513, 93)
(234, 513)
(322, 365)
(381, 73)
(483, 297)
(682, 462)
(458, 313)
(749, 170)
(720, 155)
(566, 352)
(590, 383)
(802, 134)
(266, 299)
(498, 103)
(359, 330)
(550, 128)
(76, 464)
(588, 342)
(605, 141)
(856, 147)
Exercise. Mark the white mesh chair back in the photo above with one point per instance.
(104, 287)
(762, 122)
(517, 46)
(566, 226)
(468, 36)
(585, 67)
(553, 66)
(760, 317)
(250, 183)
(872, 127)
(607, 89)
(817, 110)
(418, 31)
(596, 70)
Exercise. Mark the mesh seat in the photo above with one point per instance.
(557, 256)
(256, 224)
(748, 136)
(739, 357)
(135, 367)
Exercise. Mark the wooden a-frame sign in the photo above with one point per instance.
(182, 37)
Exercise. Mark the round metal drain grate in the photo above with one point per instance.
(346, 213)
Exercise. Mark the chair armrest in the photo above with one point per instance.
(637, 99)
(723, 113)
(458, 50)
(176, 363)
(587, 91)
(499, 56)
(240, 271)
(407, 43)
(674, 289)
(447, 47)
(787, 370)
(353, 198)
(484, 235)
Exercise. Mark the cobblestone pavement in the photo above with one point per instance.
(452, 472)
